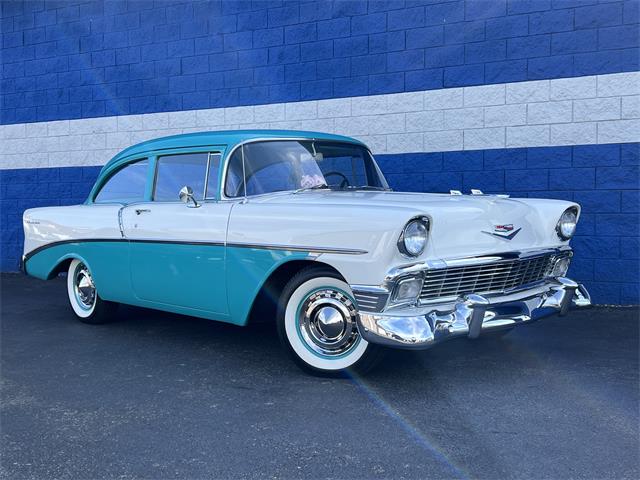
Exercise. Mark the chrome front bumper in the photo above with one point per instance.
(422, 327)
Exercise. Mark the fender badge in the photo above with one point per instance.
(504, 231)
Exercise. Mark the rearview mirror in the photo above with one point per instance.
(186, 196)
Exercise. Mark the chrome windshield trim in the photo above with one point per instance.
(227, 157)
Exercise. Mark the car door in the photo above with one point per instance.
(177, 250)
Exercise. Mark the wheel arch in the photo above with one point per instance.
(264, 306)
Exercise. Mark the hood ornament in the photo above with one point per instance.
(506, 231)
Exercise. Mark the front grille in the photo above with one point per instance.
(487, 278)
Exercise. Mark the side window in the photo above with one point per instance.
(213, 176)
(126, 185)
(176, 171)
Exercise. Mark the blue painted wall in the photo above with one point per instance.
(73, 59)
(604, 179)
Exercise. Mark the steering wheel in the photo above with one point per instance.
(345, 181)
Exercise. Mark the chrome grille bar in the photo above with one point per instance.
(484, 278)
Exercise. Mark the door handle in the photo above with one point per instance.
(142, 210)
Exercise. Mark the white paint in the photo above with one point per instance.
(286, 218)
(566, 111)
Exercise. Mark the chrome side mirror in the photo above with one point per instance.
(186, 196)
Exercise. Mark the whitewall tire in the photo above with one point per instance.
(83, 296)
(317, 324)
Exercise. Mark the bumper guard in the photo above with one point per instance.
(422, 327)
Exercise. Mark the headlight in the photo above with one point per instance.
(566, 226)
(413, 239)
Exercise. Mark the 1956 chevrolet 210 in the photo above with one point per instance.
(302, 227)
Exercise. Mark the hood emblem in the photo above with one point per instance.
(506, 231)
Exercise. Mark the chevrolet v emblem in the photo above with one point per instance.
(503, 231)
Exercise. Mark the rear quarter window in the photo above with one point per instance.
(126, 185)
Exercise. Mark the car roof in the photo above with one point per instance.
(228, 138)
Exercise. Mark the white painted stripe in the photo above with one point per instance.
(567, 111)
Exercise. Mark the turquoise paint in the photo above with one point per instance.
(247, 270)
(304, 342)
(191, 276)
(179, 278)
(107, 261)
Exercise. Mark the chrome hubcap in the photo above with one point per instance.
(83, 287)
(328, 322)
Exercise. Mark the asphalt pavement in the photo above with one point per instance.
(156, 395)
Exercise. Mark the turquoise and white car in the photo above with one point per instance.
(302, 228)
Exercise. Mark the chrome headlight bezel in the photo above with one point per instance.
(416, 229)
(561, 231)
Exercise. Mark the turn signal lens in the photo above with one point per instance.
(407, 289)
(561, 267)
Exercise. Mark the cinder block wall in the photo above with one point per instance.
(528, 97)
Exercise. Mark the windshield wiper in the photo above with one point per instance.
(320, 186)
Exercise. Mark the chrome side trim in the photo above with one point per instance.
(299, 248)
(293, 248)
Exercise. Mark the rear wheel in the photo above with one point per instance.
(83, 296)
(317, 323)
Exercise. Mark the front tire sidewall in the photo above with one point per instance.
(78, 309)
(310, 359)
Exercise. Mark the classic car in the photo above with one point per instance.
(303, 229)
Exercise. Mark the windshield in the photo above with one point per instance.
(282, 165)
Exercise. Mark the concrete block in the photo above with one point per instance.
(301, 110)
(528, 136)
(333, 108)
(445, 141)
(619, 84)
(209, 118)
(596, 109)
(185, 119)
(128, 123)
(155, 121)
(484, 138)
(461, 118)
(405, 102)
(384, 124)
(238, 115)
(570, 88)
(525, 92)
(505, 115)
(443, 99)
(425, 121)
(549, 112)
(372, 105)
(631, 107)
(484, 95)
(352, 126)
(58, 128)
(574, 133)
(619, 131)
(405, 143)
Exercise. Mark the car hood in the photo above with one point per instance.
(461, 224)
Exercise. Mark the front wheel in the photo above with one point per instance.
(83, 296)
(317, 325)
